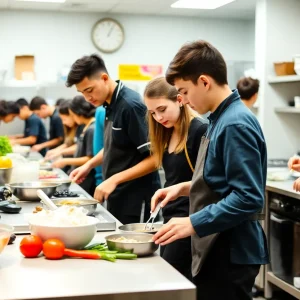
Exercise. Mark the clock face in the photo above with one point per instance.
(108, 35)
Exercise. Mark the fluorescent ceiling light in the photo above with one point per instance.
(200, 4)
(44, 1)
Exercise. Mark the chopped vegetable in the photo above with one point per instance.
(31, 246)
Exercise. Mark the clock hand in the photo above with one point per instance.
(110, 31)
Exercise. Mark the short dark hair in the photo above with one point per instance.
(195, 59)
(81, 107)
(59, 101)
(86, 66)
(64, 106)
(22, 102)
(247, 87)
(8, 108)
(37, 102)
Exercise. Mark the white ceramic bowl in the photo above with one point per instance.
(74, 237)
(5, 232)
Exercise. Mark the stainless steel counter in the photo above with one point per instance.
(283, 188)
(145, 278)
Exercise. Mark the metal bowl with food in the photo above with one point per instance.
(27, 191)
(64, 183)
(139, 243)
(89, 204)
(140, 227)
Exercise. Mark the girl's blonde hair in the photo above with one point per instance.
(159, 135)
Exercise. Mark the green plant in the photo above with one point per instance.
(5, 146)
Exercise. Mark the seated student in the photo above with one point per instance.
(40, 107)
(72, 133)
(34, 131)
(8, 111)
(98, 142)
(248, 90)
(83, 114)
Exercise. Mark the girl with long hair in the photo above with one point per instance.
(175, 133)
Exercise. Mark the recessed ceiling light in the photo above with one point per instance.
(44, 1)
(200, 4)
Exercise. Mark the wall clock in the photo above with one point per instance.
(108, 35)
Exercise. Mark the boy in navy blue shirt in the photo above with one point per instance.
(56, 133)
(34, 131)
(228, 185)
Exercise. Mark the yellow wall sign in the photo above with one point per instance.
(139, 72)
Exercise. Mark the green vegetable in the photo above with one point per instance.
(93, 246)
(126, 256)
(5, 146)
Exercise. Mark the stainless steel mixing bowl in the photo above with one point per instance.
(89, 204)
(64, 183)
(26, 191)
(143, 247)
(140, 228)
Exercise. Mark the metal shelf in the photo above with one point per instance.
(283, 79)
(283, 285)
(288, 110)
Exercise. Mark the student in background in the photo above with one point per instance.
(34, 131)
(8, 111)
(84, 114)
(59, 101)
(248, 90)
(56, 134)
(71, 134)
(175, 136)
(98, 142)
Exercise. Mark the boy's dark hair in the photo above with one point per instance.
(37, 102)
(196, 59)
(247, 87)
(64, 106)
(81, 107)
(22, 102)
(8, 107)
(59, 101)
(86, 66)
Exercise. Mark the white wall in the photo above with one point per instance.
(277, 39)
(58, 39)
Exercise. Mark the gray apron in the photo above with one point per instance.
(200, 196)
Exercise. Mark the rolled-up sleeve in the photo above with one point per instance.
(242, 153)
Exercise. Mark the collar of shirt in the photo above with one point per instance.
(114, 97)
(234, 96)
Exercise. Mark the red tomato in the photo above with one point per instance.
(31, 246)
(54, 249)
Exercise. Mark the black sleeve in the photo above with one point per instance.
(34, 127)
(88, 141)
(58, 128)
(137, 128)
